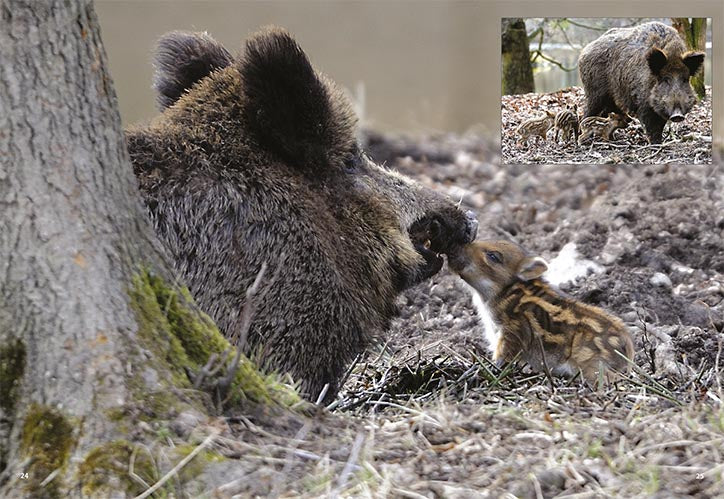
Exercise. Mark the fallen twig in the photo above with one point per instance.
(214, 433)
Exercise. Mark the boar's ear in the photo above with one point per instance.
(531, 268)
(656, 59)
(290, 109)
(693, 61)
(182, 59)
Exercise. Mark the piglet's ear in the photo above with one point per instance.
(292, 112)
(693, 61)
(532, 268)
(657, 60)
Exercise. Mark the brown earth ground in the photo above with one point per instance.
(426, 414)
(685, 143)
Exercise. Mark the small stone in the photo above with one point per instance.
(478, 200)
(554, 480)
(611, 252)
(143, 426)
(629, 317)
(185, 423)
(659, 279)
(150, 378)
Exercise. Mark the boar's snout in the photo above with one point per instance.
(677, 117)
(471, 231)
(444, 230)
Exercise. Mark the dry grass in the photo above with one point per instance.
(550, 442)
(457, 426)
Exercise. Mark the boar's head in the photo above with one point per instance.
(671, 94)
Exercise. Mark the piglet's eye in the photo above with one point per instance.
(494, 257)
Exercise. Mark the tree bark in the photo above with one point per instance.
(693, 31)
(517, 69)
(92, 338)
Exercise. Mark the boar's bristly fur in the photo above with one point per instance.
(643, 71)
(289, 108)
(256, 162)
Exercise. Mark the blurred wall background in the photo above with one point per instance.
(415, 66)
(425, 65)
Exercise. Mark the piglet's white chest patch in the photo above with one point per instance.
(491, 329)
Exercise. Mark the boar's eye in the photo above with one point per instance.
(494, 257)
(353, 162)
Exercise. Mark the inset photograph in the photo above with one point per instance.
(606, 91)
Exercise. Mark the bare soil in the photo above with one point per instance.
(685, 143)
(425, 414)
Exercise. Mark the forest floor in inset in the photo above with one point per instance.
(687, 142)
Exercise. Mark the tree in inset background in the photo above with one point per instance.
(517, 67)
(562, 25)
(693, 31)
(518, 60)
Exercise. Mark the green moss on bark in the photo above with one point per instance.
(106, 469)
(197, 333)
(47, 439)
(173, 330)
(12, 367)
(154, 330)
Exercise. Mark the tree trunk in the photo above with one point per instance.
(693, 31)
(91, 337)
(517, 69)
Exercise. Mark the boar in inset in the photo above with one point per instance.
(254, 160)
(643, 71)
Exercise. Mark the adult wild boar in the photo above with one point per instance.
(644, 71)
(254, 160)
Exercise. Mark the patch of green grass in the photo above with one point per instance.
(164, 433)
(595, 448)
(650, 480)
